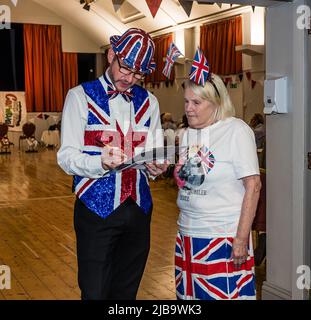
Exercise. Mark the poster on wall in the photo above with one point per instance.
(13, 109)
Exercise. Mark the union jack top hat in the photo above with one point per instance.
(135, 47)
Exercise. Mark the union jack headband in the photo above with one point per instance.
(200, 71)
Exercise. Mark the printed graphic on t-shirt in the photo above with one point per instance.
(198, 163)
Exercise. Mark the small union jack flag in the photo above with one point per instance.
(171, 56)
(200, 69)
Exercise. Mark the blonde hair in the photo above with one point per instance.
(225, 108)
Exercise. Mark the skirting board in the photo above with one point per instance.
(272, 292)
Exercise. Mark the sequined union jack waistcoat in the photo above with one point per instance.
(104, 195)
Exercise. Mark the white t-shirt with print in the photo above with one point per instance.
(216, 158)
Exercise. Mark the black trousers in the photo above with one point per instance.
(112, 252)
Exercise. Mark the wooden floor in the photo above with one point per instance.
(37, 239)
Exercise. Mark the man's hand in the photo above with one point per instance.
(112, 157)
(156, 168)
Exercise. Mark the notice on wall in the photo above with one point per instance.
(13, 110)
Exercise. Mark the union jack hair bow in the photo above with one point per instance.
(200, 71)
(171, 56)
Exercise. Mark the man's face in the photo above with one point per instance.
(121, 81)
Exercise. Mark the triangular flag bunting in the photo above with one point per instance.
(203, 2)
(231, 5)
(154, 6)
(241, 77)
(253, 7)
(117, 4)
(14, 2)
(248, 75)
(253, 84)
(187, 6)
(219, 5)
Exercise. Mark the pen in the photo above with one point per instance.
(99, 143)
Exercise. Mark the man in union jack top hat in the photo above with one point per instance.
(105, 122)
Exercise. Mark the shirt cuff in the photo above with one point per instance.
(95, 165)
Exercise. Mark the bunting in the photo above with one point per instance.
(154, 6)
(187, 6)
(117, 4)
(253, 84)
(235, 79)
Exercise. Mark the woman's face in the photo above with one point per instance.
(200, 112)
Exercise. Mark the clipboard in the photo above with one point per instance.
(138, 162)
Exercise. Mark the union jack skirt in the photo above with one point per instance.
(204, 270)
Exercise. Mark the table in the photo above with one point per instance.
(50, 137)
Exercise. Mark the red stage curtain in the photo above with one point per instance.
(43, 68)
(70, 71)
(161, 46)
(218, 41)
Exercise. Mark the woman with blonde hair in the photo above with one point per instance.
(219, 185)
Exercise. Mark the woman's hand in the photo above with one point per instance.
(239, 252)
(252, 187)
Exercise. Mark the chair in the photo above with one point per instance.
(5, 143)
(29, 135)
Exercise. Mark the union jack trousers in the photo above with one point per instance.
(204, 270)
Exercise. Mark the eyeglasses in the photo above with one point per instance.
(127, 71)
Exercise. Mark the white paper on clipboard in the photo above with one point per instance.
(160, 154)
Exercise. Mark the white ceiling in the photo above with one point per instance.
(102, 21)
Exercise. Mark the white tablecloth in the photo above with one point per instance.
(50, 137)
